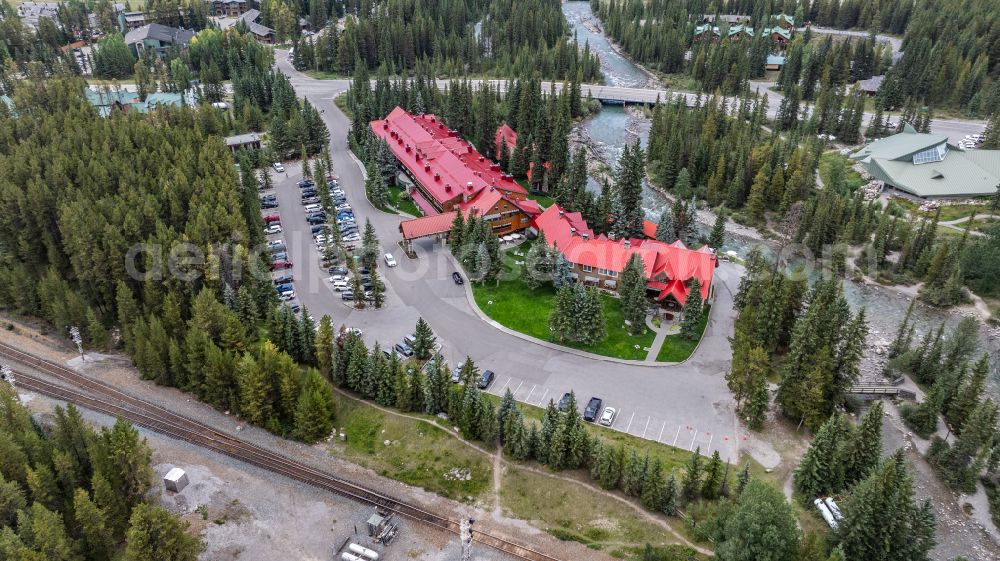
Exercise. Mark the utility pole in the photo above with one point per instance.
(465, 534)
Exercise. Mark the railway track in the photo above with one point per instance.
(104, 398)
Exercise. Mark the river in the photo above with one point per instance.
(613, 127)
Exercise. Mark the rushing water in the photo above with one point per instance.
(614, 127)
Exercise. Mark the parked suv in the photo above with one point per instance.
(486, 379)
(593, 406)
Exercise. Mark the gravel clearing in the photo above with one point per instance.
(283, 516)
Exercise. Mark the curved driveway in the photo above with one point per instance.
(687, 405)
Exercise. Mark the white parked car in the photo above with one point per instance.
(278, 167)
(352, 238)
(390, 260)
(608, 417)
(340, 285)
(338, 278)
(287, 295)
(273, 229)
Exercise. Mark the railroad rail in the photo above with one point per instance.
(109, 400)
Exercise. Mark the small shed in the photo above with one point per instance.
(175, 480)
(375, 524)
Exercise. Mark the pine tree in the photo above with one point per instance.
(155, 534)
(712, 484)
(314, 411)
(742, 479)
(97, 539)
(455, 235)
(693, 311)
(665, 227)
(670, 495)
(821, 470)
(653, 487)
(968, 395)
(718, 236)
(607, 467)
(691, 484)
(632, 294)
(423, 340)
(862, 452)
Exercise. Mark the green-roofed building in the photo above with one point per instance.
(927, 166)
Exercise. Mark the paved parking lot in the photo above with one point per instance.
(657, 426)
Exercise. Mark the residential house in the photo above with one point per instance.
(262, 33)
(774, 62)
(128, 21)
(706, 32)
(928, 166)
(107, 100)
(598, 261)
(780, 36)
(738, 32)
(784, 21)
(871, 85)
(227, 8)
(249, 141)
(157, 37)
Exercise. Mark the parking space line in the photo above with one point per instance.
(533, 386)
(710, 443)
(658, 438)
(541, 401)
(691, 446)
(630, 421)
(647, 427)
(504, 386)
(676, 436)
(518, 387)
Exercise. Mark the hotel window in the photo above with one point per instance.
(586, 268)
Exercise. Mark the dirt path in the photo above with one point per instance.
(497, 481)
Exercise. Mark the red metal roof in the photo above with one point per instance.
(667, 266)
(504, 132)
(649, 229)
(422, 203)
(444, 164)
(426, 225)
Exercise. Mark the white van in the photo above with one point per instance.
(313, 207)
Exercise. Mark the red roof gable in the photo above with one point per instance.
(649, 229)
(668, 267)
(444, 164)
(426, 225)
(504, 132)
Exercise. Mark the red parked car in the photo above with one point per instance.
(272, 218)
(281, 264)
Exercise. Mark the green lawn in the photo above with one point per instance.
(405, 205)
(418, 453)
(515, 306)
(544, 201)
(677, 348)
(573, 513)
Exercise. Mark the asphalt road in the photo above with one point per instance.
(684, 405)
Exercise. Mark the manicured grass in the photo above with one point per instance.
(852, 179)
(544, 201)
(515, 306)
(405, 205)
(573, 513)
(418, 454)
(677, 347)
